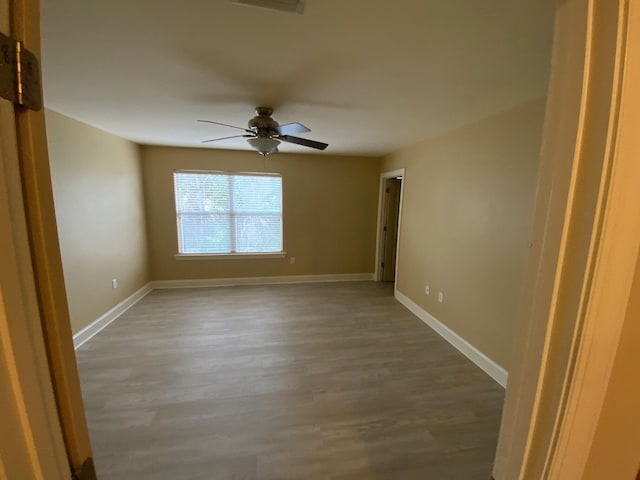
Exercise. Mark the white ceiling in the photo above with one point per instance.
(367, 76)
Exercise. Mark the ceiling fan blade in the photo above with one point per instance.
(225, 125)
(226, 138)
(303, 141)
(293, 127)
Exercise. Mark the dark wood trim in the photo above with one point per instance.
(87, 471)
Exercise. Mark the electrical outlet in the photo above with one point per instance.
(440, 297)
(114, 283)
(426, 289)
(292, 260)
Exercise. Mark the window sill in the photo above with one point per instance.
(228, 256)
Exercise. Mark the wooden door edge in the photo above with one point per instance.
(45, 253)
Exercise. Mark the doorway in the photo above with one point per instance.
(389, 214)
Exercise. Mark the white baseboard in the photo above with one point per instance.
(490, 367)
(225, 282)
(93, 328)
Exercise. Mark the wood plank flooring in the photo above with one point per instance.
(311, 381)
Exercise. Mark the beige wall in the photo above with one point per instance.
(97, 189)
(466, 220)
(329, 210)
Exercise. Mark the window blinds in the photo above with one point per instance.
(228, 213)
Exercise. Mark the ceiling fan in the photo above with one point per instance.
(265, 134)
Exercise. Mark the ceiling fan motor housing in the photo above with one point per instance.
(263, 124)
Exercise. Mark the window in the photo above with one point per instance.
(228, 213)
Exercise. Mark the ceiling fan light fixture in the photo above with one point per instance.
(264, 145)
(293, 6)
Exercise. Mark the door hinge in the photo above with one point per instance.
(382, 264)
(19, 74)
(387, 190)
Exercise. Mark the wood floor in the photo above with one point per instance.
(311, 381)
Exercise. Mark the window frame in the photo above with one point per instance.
(226, 255)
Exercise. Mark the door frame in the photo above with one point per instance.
(36, 448)
(377, 275)
(585, 244)
(43, 249)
